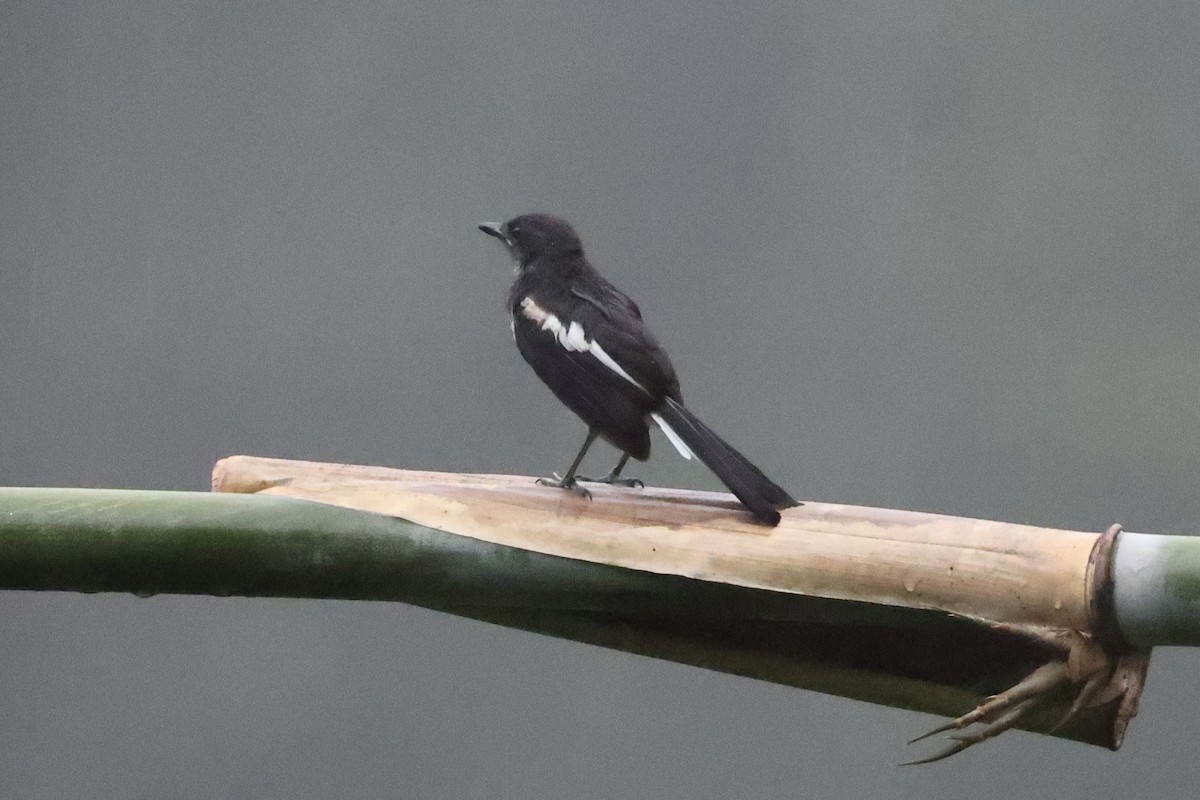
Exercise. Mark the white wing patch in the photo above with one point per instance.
(673, 437)
(607, 361)
(575, 339)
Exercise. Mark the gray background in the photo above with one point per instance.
(929, 255)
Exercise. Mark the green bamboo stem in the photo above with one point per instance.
(147, 542)
(1157, 589)
(257, 545)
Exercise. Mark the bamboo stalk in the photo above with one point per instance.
(146, 543)
(916, 610)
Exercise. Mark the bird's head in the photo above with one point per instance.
(531, 237)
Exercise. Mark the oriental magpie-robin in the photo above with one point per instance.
(586, 340)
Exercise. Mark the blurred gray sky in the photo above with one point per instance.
(931, 255)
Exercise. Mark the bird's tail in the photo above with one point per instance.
(756, 491)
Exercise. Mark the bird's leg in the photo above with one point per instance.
(569, 481)
(614, 478)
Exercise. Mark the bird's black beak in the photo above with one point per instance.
(494, 229)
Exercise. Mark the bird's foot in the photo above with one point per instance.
(613, 480)
(570, 484)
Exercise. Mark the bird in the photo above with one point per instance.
(586, 340)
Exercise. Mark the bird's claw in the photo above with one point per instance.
(570, 484)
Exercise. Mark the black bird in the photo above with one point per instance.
(586, 340)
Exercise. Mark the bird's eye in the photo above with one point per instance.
(513, 230)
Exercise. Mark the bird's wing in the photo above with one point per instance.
(608, 300)
(612, 320)
(580, 372)
(573, 338)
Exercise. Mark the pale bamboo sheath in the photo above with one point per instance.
(998, 571)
